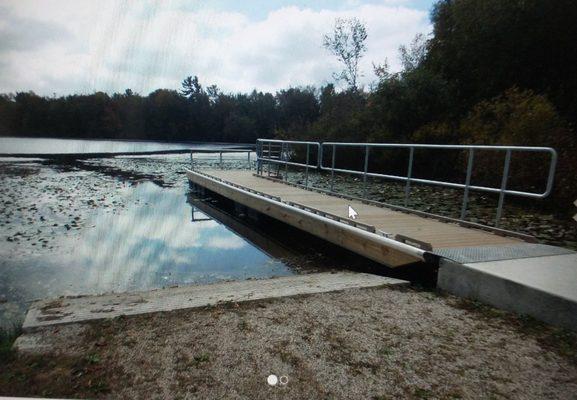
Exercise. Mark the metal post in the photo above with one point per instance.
(467, 184)
(259, 156)
(285, 147)
(333, 167)
(503, 187)
(409, 174)
(220, 156)
(307, 167)
(269, 159)
(191, 160)
(248, 159)
(365, 172)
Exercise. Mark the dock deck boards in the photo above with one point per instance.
(438, 234)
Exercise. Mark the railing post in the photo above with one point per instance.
(307, 167)
(258, 156)
(220, 156)
(503, 187)
(333, 167)
(467, 184)
(365, 172)
(409, 175)
(285, 152)
(268, 167)
(191, 160)
(248, 159)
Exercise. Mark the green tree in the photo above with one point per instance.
(523, 118)
(486, 47)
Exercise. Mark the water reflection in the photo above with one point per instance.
(162, 240)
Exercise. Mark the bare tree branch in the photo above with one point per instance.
(347, 43)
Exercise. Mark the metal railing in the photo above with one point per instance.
(220, 158)
(279, 152)
(283, 156)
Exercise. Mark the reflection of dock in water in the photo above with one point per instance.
(203, 211)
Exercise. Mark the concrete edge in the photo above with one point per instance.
(503, 293)
(52, 312)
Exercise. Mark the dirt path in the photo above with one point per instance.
(357, 344)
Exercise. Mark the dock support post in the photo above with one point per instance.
(365, 172)
(467, 184)
(409, 174)
(503, 187)
(333, 167)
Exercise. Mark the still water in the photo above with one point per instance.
(159, 239)
(48, 145)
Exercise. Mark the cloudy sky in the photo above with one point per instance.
(81, 46)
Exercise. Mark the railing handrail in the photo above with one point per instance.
(408, 178)
(442, 146)
(287, 141)
(220, 152)
(550, 178)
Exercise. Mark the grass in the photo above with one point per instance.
(201, 358)
(92, 359)
(422, 393)
(385, 351)
(561, 341)
(7, 338)
(54, 375)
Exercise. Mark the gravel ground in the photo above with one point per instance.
(382, 343)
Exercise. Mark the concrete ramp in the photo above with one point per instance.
(80, 309)
(543, 287)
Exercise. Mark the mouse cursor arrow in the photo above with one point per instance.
(352, 213)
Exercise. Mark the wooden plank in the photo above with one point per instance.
(438, 234)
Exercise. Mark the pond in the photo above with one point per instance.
(161, 240)
(76, 232)
(49, 145)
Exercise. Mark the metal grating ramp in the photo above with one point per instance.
(465, 255)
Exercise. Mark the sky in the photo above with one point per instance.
(57, 47)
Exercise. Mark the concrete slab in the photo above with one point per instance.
(69, 310)
(543, 287)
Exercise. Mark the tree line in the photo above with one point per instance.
(492, 72)
(193, 114)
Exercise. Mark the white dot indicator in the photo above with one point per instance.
(272, 380)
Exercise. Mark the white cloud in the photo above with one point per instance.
(84, 46)
(231, 242)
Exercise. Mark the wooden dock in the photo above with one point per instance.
(390, 237)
